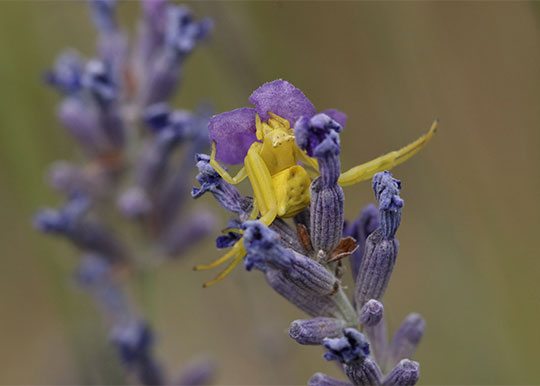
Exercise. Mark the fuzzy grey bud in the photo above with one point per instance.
(313, 331)
(372, 317)
(307, 301)
(365, 373)
(406, 339)
(406, 373)
(376, 268)
(264, 251)
(327, 215)
(371, 313)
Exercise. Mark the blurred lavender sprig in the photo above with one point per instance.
(115, 106)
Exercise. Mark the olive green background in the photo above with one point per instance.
(469, 257)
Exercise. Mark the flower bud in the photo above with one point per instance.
(226, 194)
(264, 251)
(327, 215)
(360, 229)
(406, 373)
(376, 268)
(372, 317)
(386, 191)
(314, 331)
(365, 373)
(406, 339)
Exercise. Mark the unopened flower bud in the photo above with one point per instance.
(327, 215)
(406, 339)
(365, 373)
(386, 191)
(264, 250)
(226, 194)
(360, 229)
(376, 268)
(314, 331)
(371, 313)
(372, 317)
(406, 373)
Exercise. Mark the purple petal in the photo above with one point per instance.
(283, 99)
(336, 115)
(233, 132)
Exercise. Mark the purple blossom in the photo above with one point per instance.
(234, 131)
(352, 347)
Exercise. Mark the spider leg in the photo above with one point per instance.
(237, 247)
(385, 162)
(255, 211)
(240, 176)
(261, 182)
(239, 254)
(265, 201)
(306, 159)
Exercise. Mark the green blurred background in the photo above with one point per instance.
(468, 260)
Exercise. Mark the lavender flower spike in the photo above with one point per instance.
(86, 234)
(314, 331)
(320, 379)
(406, 373)
(406, 339)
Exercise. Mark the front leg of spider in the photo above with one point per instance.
(240, 176)
(264, 199)
(386, 162)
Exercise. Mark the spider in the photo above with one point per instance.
(280, 185)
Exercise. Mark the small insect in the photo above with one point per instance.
(280, 185)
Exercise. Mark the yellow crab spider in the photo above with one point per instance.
(281, 186)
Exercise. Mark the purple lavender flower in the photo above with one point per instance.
(234, 131)
(67, 73)
(386, 191)
(352, 347)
